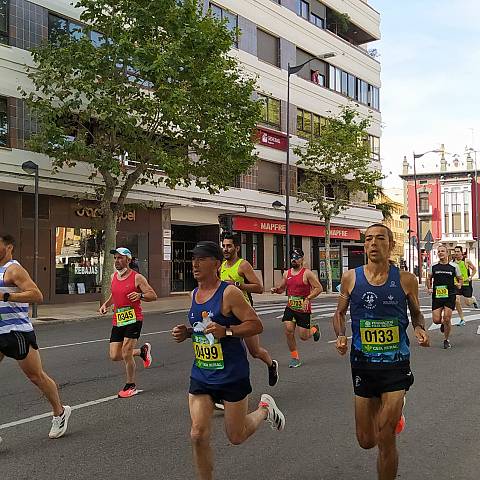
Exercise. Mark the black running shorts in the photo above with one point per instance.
(466, 291)
(372, 381)
(448, 302)
(302, 319)
(229, 392)
(127, 331)
(16, 345)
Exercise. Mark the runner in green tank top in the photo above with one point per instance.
(240, 273)
(468, 270)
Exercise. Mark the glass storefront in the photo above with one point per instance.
(78, 260)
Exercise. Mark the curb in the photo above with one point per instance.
(52, 320)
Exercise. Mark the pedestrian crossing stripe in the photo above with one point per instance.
(456, 321)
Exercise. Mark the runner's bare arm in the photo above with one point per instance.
(29, 292)
(104, 308)
(234, 303)
(410, 287)
(148, 292)
(282, 286)
(253, 283)
(315, 285)
(429, 281)
(346, 287)
(473, 269)
(181, 333)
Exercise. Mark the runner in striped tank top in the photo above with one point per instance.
(17, 337)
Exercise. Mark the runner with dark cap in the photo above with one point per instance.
(129, 288)
(302, 287)
(219, 320)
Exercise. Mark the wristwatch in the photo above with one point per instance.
(142, 296)
(228, 332)
(6, 296)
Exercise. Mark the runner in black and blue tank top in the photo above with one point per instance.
(219, 320)
(378, 294)
(441, 284)
(17, 338)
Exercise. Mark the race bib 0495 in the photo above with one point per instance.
(207, 356)
(379, 336)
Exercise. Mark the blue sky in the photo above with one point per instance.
(430, 56)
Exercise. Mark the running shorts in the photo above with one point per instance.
(448, 302)
(466, 291)
(371, 381)
(131, 330)
(229, 392)
(16, 345)
(302, 319)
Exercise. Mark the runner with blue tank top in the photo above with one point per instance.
(219, 320)
(378, 294)
(17, 337)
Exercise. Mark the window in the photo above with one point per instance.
(224, 15)
(373, 97)
(3, 21)
(61, 26)
(374, 147)
(252, 249)
(308, 124)
(303, 9)
(423, 205)
(466, 210)
(268, 48)
(270, 111)
(28, 206)
(278, 252)
(269, 176)
(351, 90)
(317, 78)
(3, 123)
(78, 260)
(316, 20)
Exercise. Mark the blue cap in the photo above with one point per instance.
(122, 251)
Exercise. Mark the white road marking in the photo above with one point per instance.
(334, 341)
(49, 414)
(176, 311)
(96, 341)
(456, 321)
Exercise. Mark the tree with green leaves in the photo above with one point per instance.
(337, 168)
(148, 81)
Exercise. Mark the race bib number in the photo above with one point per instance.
(295, 303)
(379, 336)
(441, 291)
(209, 357)
(125, 316)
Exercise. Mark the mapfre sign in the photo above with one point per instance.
(260, 225)
(92, 212)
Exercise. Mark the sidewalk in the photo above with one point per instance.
(74, 312)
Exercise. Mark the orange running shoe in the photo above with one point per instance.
(146, 354)
(400, 425)
(128, 391)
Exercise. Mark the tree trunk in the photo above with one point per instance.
(110, 225)
(327, 256)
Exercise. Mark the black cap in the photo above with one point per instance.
(208, 249)
(297, 254)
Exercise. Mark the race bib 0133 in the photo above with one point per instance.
(209, 357)
(379, 336)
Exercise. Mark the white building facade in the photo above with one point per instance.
(273, 35)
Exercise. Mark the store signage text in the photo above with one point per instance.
(91, 212)
(86, 270)
(272, 139)
(250, 224)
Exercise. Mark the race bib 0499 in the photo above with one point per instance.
(379, 336)
(207, 356)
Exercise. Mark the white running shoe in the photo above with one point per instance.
(275, 417)
(60, 423)
(219, 406)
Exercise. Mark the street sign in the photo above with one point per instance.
(428, 237)
(428, 246)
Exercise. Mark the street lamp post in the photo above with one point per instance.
(476, 208)
(409, 231)
(31, 167)
(291, 70)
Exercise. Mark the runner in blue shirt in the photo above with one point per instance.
(378, 294)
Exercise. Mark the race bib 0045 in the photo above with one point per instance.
(125, 316)
(207, 356)
(379, 336)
